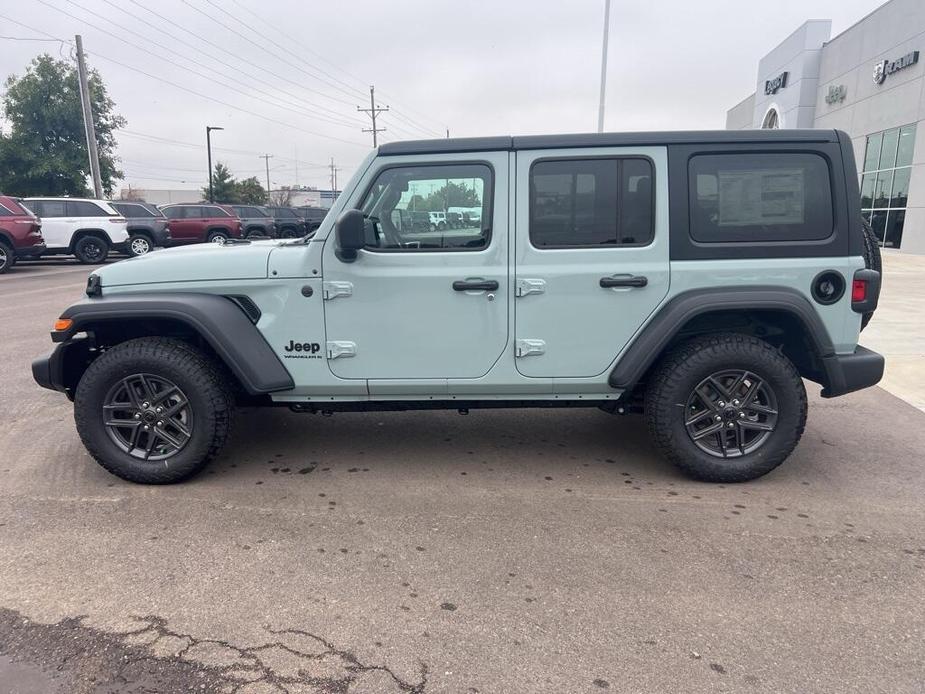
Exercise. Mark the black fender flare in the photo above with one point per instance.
(219, 320)
(652, 339)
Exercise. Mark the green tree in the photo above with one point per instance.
(45, 150)
(224, 185)
(250, 192)
(452, 194)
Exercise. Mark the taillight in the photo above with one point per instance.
(858, 290)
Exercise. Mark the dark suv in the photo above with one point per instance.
(20, 233)
(256, 220)
(313, 216)
(147, 226)
(289, 224)
(199, 222)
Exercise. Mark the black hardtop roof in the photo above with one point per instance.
(688, 137)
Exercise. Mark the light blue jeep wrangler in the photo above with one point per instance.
(696, 278)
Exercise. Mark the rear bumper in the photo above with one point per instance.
(31, 251)
(850, 372)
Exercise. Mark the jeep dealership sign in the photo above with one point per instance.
(886, 68)
(772, 86)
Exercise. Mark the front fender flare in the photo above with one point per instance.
(217, 319)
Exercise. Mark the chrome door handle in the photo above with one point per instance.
(475, 285)
(627, 281)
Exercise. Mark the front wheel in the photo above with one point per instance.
(153, 410)
(726, 407)
(91, 250)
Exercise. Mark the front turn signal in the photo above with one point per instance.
(63, 324)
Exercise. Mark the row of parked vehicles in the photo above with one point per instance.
(90, 230)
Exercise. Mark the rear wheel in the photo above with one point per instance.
(153, 410)
(139, 244)
(726, 407)
(218, 237)
(6, 257)
(91, 250)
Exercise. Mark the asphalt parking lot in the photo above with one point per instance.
(503, 551)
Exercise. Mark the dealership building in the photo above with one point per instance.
(870, 82)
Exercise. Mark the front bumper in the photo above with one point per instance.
(30, 251)
(70, 356)
(847, 373)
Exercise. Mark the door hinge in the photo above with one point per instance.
(527, 348)
(336, 349)
(530, 286)
(332, 290)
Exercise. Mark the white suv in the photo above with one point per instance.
(437, 221)
(87, 228)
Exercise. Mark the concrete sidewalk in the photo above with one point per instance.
(898, 329)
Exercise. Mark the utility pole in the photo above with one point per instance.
(333, 180)
(373, 111)
(447, 133)
(89, 128)
(267, 158)
(600, 112)
(209, 129)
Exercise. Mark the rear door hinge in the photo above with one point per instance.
(530, 286)
(336, 349)
(527, 348)
(332, 290)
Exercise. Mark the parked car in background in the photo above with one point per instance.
(20, 233)
(454, 220)
(313, 216)
(147, 226)
(256, 220)
(201, 222)
(89, 229)
(289, 225)
(437, 221)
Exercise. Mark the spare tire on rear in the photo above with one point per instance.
(872, 260)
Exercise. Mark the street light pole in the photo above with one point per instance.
(600, 112)
(209, 129)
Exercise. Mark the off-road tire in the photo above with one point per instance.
(7, 257)
(85, 250)
(872, 260)
(686, 366)
(202, 380)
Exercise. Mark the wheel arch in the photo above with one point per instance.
(782, 317)
(81, 233)
(218, 324)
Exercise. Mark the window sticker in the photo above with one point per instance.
(761, 197)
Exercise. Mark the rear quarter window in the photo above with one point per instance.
(753, 197)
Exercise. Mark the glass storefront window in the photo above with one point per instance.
(906, 144)
(872, 158)
(888, 149)
(885, 182)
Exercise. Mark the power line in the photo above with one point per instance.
(25, 38)
(172, 62)
(373, 111)
(192, 91)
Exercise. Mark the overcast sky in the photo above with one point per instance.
(289, 81)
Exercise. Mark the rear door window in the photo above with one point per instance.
(82, 208)
(50, 208)
(591, 203)
(760, 197)
(211, 211)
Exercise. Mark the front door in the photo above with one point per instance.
(417, 303)
(591, 255)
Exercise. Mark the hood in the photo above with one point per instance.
(205, 261)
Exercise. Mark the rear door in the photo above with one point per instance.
(56, 228)
(185, 224)
(591, 255)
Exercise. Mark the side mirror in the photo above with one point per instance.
(350, 231)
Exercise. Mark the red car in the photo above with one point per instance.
(20, 233)
(198, 222)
